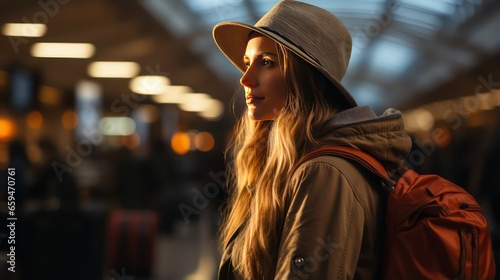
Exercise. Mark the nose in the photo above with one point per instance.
(249, 79)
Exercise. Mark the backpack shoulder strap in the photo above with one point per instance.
(366, 160)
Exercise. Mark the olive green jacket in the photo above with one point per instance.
(334, 223)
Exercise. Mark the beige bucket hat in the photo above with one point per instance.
(314, 34)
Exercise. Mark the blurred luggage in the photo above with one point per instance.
(131, 237)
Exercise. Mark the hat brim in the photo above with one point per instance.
(232, 37)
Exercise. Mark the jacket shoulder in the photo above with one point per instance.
(330, 164)
(365, 186)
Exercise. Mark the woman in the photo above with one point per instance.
(319, 219)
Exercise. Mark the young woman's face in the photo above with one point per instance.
(263, 79)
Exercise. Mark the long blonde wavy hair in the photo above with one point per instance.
(263, 154)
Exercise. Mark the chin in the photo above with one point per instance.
(259, 118)
(257, 115)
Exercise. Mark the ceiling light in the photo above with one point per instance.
(172, 94)
(485, 100)
(180, 143)
(170, 98)
(63, 50)
(204, 141)
(49, 95)
(113, 69)
(120, 126)
(418, 120)
(24, 29)
(69, 119)
(213, 111)
(149, 84)
(496, 97)
(34, 119)
(8, 128)
(194, 102)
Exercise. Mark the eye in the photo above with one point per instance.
(266, 62)
(246, 62)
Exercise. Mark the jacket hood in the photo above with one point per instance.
(383, 137)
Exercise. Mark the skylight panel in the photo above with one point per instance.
(391, 58)
(418, 18)
(199, 6)
(433, 6)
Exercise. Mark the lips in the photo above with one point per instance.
(253, 98)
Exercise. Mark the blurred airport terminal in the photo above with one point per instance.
(115, 115)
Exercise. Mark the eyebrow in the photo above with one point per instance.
(262, 54)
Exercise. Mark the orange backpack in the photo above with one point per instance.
(434, 228)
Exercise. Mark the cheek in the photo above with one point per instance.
(272, 77)
(279, 89)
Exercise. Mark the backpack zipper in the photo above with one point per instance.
(470, 207)
(475, 254)
(463, 253)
